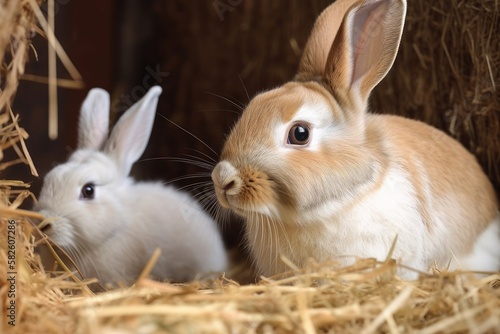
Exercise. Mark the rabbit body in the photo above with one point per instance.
(318, 177)
(112, 228)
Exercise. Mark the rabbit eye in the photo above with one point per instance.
(88, 191)
(298, 134)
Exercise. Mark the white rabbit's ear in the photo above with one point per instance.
(93, 125)
(365, 48)
(313, 61)
(130, 136)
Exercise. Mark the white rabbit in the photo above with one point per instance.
(111, 225)
(315, 175)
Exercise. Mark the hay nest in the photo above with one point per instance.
(366, 297)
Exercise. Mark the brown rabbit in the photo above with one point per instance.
(315, 175)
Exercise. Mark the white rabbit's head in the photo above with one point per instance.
(87, 199)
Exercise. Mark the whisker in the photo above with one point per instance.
(238, 101)
(92, 270)
(188, 177)
(211, 204)
(244, 87)
(204, 154)
(224, 110)
(198, 163)
(275, 240)
(195, 185)
(186, 131)
(240, 107)
(65, 252)
(254, 222)
(220, 214)
(262, 239)
(78, 258)
(223, 216)
(206, 188)
(285, 235)
(204, 196)
(271, 237)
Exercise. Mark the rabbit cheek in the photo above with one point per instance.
(257, 192)
(307, 183)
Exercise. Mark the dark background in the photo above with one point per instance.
(216, 59)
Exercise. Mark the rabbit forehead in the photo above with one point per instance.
(82, 167)
(284, 103)
(264, 122)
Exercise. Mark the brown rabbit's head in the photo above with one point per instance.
(302, 145)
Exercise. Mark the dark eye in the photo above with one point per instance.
(88, 191)
(298, 134)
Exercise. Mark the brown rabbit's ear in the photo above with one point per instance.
(313, 61)
(365, 47)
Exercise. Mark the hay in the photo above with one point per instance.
(364, 298)
(16, 25)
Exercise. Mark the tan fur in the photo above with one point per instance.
(314, 57)
(249, 139)
(450, 171)
(273, 111)
(389, 139)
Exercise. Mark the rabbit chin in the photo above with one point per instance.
(263, 210)
(283, 214)
(322, 207)
(246, 209)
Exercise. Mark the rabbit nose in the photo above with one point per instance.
(226, 178)
(232, 186)
(49, 218)
(228, 186)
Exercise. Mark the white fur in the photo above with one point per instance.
(484, 255)
(113, 235)
(367, 230)
(319, 116)
(94, 120)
